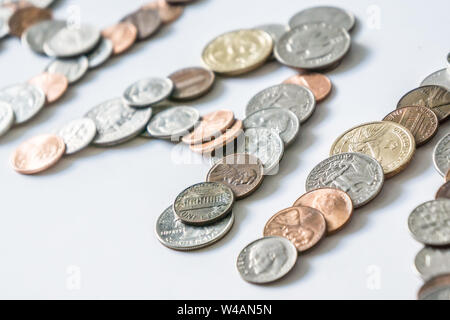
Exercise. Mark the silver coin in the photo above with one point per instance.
(441, 293)
(148, 91)
(73, 69)
(438, 78)
(359, 175)
(312, 46)
(173, 123)
(175, 234)
(431, 262)
(333, 16)
(78, 134)
(116, 122)
(100, 54)
(35, 36)
(298, 99)
(5, 14)
(441, 155)
(6, 117)
(25, 99)
(429, 223)
(266, 260)
(204, 203)
(283, 121)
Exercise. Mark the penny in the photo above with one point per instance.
(319, 84)
(25, 17)
(173, 123)
(78, 134)
(167, 12)
(6, 117)
(438, 78)
(25, 99)
(335, 205)
(303, 226)
(437, 288)
(101, 53)
(38, 154)
(73, 69)
(53, 84)
(191, 83)
(441, 155)
(123, 35)
(146, 21)
(334, 16)
(149, 91)
(420, 121)
(444, 191)
(243, 173)
(388, 142)
(37, 35)
(227, 137)
(430, 262)
(266, 260)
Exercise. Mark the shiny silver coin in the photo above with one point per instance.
(204, 203)
(73, 69)
(5, 14)
(298, 99)
(173, 123)
(35, 36)
(25, 99)
(357, 174)
(441, 155)
(333, 16)
(175, 234)
(431, 262)
(440, 294)
(100, 54)
(438, 78)
(312, 46)
(6, 117)
(116, 122)
(266, 260)
(77, 134)
(146, 92)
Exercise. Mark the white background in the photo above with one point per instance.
(92, 216)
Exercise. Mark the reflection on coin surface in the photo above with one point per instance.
(26, 100)
(146, 21)
(230, 135)
(431, 262)
(438, 78)
(35, 36)
(334, 16)
(191, 83)
(6, 117)
(444, 191)
(266, 260)
(122, 35)
(318, 83)
(173, 123)
(53, 84)
(437, 288)
(25, 17)
(146, 92)
(73, 69)
(441, 155)
(100, 54)
(78, 134)
(168, 13)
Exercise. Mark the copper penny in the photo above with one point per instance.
(335, 205)
(25, 17)
(303, 226)
(146, 21)
(444, 191)
(191, 83)
(211, 126)
(434, 284)
(243, 173)
(122, 35)
(421, 121)
(53, 84)
(38, 154)
(319, 84)
(167, 12)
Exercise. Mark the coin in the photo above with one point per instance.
(6, 117)
(100, 54)
(38, 154)
(447, 176)
(122, 35)
(420, 121)
(438, 78)
(73, 69)
(312, 46)
(26, 100)
(334, 16)
(275, 30)
(167, 12)
(149, 91)
(444, 191)
(429, 222)
(303, 226)
(243, 173)
(22, 18)
(431, 262)
(238, 51)
(36, 35)
(318, 83)
(441, 155)
(357, 174)
(173, 123)
(299, 100)
(204, 203)
(266, 260)
(146, 21)
(116, 122)
(175, 234)
(53, 84)
(335, 205)
(227, 137)
(77, 134)
(191, 83)
(5, 15)
(437, 288)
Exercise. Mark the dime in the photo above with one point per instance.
(335, 205)
(438, 78)
(53, 84)
(167, 12)
(312, 46)
(243, 173)
(299, 100)
(420, 121)
(303, 226)
(204, 203)
(122, 35)
(441, 155)
(146, 92)
(266, 260)
(229, 136)
(5, 15)
(37, 35)
(444, 191)
(388, 142)
(238, 52)
(116, 122)
(437, 288)
(38, 154)
(78, 134)
(319, 84)
(173, 123)
(191, 83)
(336, 17)
(146, 21)
(73, 69)
(357, 174)
(431, 262)
(100, 54)
(26, 100)
(175, 234)
(6, 117)
(25, 17)
(429, 222)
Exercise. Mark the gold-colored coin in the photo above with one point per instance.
(238, 52)
(388, 142)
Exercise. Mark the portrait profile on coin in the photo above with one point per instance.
(266, 258)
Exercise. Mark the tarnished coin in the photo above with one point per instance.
(437, 288)
(230, 135)
(147, 22)
(441, 155)
(335, 205)
(420, 121)
(303, 226)
(6, 117)
(238, 51)
(25, 17)
(37, 35)
(167, 12)
(53, 84)
(149, 91)
(312, 46)
(78, 134)
(191, 83)
(5, 15)
(388, 142)
(429, 223)
(334, 16)
(175, 234)
(38, 154)
(73, 69)
(431, 262)
(299, 100)
(26, 100)
(266, 260)
(319, 84)
(438, 78)
(173, 123)
(357, 174)
(100, 54)
(116, 122)
(204, 203)
(122, 35)
(444, 191)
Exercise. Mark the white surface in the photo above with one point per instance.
(95, 212)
